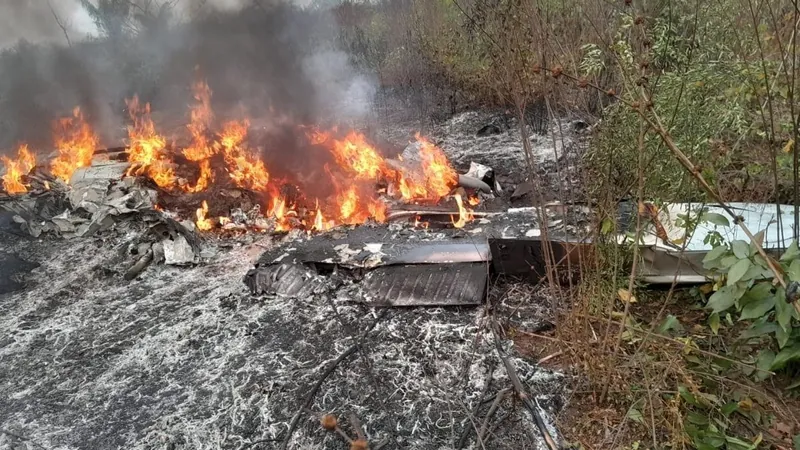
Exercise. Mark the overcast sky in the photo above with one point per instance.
(33, 20)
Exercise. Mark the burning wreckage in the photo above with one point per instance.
(98, 351)
(103, 348)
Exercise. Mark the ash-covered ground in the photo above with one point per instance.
(185, 358)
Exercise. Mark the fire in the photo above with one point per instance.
(354, 199)
(16, 169)
(316, 137)
(147, 147)
(244, 167)
(409, 190)
(355, 155)
(377, 209)
(206, 176)
(320, 224)
(439, 176)
(200, 117)
(474, 201)
(464, 214)
(76, 144)
(280, 211)
(202, 222)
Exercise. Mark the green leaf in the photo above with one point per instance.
(607, 226)
(724, 298)
(738, 444)
(740, 248)
(760, 291)
(782, 336)
(788, 354)
(764, 362)
(794, 270)
(670, 323)
(759, 329)
(714, 439)
(753, 273)
(697, 418)
(728, 261)
(687, 396)
(783, 311)
(757, 308)
(729, 408)
(716, 219)
(713, 322)
(791, 253)
(796, 442)
(715, 253)
(738, 270)
(635, 415)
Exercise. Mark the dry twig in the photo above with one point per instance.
(309, 399)
(521, 392)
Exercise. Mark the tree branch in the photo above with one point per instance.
(60, 23)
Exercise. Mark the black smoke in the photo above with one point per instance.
(275, 62)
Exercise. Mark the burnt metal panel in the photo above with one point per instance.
(427, 285)
(286, 280)
(439, 253)
(526, 256)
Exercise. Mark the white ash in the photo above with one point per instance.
(183, 358)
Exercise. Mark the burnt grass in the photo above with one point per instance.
(185, 358)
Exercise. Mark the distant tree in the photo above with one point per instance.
(154, 21)
(112, 17)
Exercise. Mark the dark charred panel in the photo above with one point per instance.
(527, 256)
(427, 285)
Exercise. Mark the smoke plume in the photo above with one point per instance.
(274, 61)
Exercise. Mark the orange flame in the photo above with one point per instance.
(76, 144)
(16, 169)
(474, 201)
(352, 211)
(320, 224)
(464, 214)
(439, 176)
(202, 222)
(280, 211)
(316, 137)
(244, 167)
(206, 176)
(355, 155)
(200, 116)
(147, 147)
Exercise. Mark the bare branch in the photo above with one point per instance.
(60, 23)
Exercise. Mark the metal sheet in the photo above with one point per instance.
(438, 253)
(526, 257)
(427, 285)
(779, 229)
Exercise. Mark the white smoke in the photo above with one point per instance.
(340, 89)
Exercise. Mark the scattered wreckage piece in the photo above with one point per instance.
(455, 284)
(404, 266)
(100, 197)
(670, 254)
